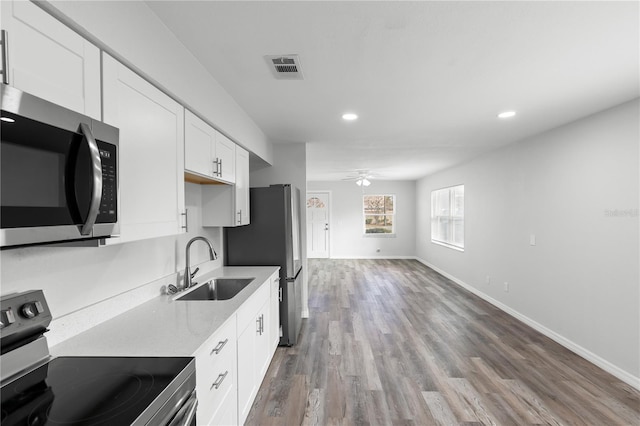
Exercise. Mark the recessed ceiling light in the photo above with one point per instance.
(7, 119)
(349, 116)
(506, 114)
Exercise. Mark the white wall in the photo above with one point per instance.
(74, 278)
(580, 282)
(289, 166)
(346, 239)
(133, 34)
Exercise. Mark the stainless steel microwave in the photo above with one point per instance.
(58, 173)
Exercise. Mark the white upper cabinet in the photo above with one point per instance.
(199, 143)
(228, 205)
(208, 153)
(242, 187)
(49, 60)
(225, 155)
(151, 157)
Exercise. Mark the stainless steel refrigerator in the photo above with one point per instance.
(273, 238)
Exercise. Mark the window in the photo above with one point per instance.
(379, 214)
(447, 216)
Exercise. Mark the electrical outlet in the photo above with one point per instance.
(506, 287)
(487, 280)
(532, 239)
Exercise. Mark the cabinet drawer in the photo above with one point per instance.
(249, 309)
(216, 370)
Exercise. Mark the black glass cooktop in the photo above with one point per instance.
(86, 391)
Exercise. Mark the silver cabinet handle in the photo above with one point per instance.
(258, 325)
(4, 41)
(96, 170)
(219, 347)
(240, 216)
(215, 171)
(186, 220)
(280, 294)
(220, 167)
(219, 380)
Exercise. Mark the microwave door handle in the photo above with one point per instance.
(96, 171)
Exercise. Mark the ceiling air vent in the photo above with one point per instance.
(285, 67)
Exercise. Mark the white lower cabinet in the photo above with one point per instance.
(216, 384)
(274, 324)
(254, 352)
(232, 363)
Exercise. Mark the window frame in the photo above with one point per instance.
(450, 219)
(391, 234)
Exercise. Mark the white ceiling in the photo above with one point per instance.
(426, 78)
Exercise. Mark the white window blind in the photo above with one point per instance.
(447, 216)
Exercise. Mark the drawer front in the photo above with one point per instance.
(216, 370)
(249, 309)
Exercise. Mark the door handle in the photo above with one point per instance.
(96, 171)
(4, 40)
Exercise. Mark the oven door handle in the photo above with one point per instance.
(96, 171)
(186, 414)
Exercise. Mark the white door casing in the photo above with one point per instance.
(318, 224)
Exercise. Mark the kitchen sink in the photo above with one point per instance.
(218, 289)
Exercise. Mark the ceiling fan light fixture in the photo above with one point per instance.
(363, 182)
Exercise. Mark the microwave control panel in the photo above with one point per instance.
(109, 204)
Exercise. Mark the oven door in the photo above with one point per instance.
(57, 181)
(186, 414)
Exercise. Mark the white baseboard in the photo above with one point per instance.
(372, 257)
(572, 346)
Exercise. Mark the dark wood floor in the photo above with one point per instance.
(393, 342)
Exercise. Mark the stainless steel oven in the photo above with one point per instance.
(59, 173)
(37, 390)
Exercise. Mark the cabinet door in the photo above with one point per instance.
(216, 375)
(225, 154)
(274, 314)
(151, 154)
(49, 60)
(199, 143)
(247, 382)
(242, 186)
(263, 343)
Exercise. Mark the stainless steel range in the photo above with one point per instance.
(39, 390)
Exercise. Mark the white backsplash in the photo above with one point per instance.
(86, 286)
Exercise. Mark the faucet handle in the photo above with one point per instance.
(193, 274)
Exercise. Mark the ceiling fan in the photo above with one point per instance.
(361, 177)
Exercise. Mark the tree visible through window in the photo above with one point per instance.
(447, 216)
(379, 214)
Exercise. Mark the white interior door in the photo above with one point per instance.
(318, 224)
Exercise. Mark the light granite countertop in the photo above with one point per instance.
(164, 326)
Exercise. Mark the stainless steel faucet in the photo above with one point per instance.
(188, 276)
